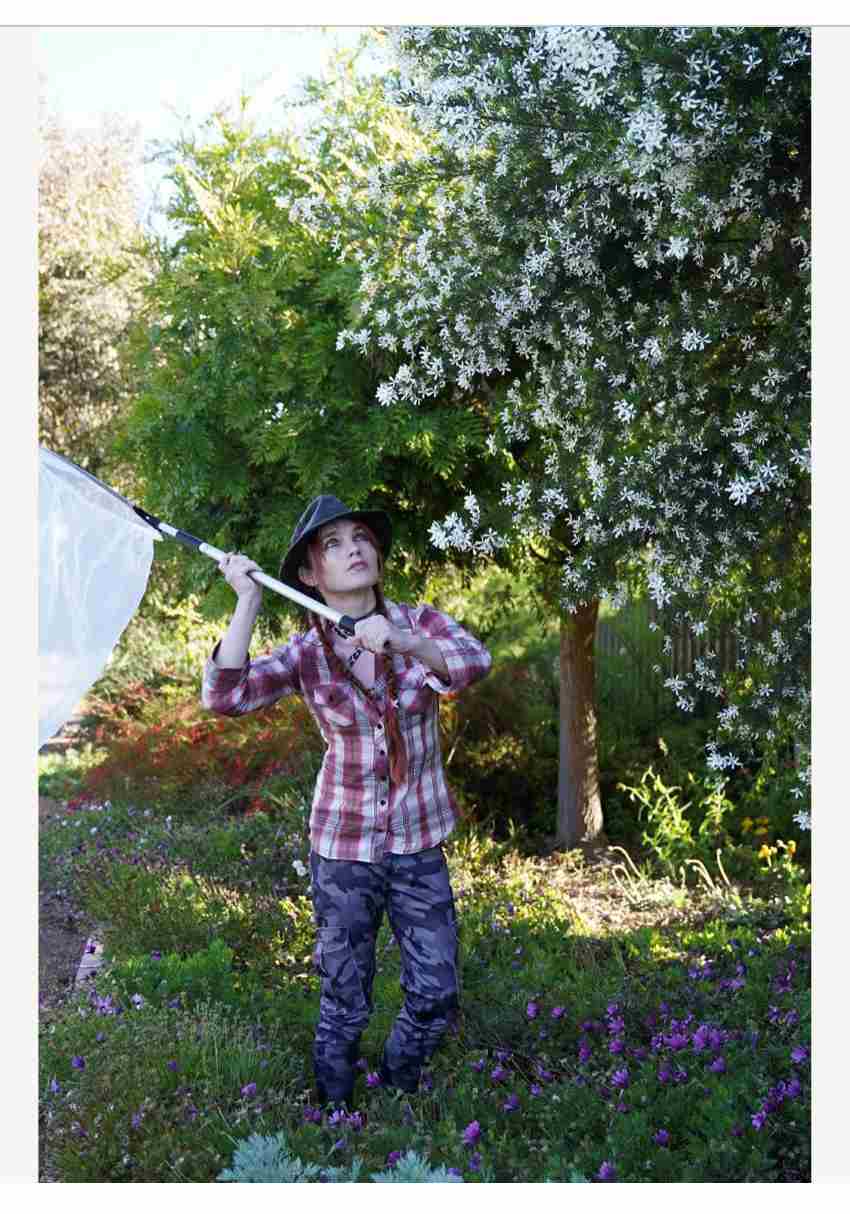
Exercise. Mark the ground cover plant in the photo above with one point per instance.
(674, 1048)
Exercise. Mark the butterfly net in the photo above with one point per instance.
(95, 557)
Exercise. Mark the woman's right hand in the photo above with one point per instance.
(235, 568)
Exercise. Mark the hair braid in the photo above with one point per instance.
(397, 752)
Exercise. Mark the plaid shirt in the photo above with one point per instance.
(357, 813)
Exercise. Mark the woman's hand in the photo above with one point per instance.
(378, 635)
(235, 568)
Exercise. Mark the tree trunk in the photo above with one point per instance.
(579, 803)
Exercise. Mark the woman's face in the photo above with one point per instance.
(342, 558)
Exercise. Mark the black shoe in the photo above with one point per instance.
(387, 1082)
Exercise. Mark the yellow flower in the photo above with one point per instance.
(747, 824)
(766, 852)
(763, 821)
(760, 830)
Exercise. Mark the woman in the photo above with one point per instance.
(382, 808)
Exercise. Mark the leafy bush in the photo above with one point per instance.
(268, 1160)
(189, 761)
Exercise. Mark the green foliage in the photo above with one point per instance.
(61, 773)
(246, 407)
(204, 976)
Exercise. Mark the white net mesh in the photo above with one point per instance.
(95, 556)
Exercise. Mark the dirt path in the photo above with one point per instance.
(62, 936)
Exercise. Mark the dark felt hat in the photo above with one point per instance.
(325, 509)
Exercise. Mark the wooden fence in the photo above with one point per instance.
(630, 632)
(627, 650)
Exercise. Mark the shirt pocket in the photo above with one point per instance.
(333, 705)
(414, 696)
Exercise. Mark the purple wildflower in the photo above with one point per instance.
(616, 1046)
(665, 1075)
(313, 1115)
(557, 1013)
(373, 1080)
(54, 1085)
(531, 1009)
(584, 1050)
(718, 1065)
(661, 1138)
(479, 1065)
(172, 1065)
(137, 1001)
(156, 955)
(393, 1158)
(100, 1037)
(536, 1089)
(455, 1172)
(136, 1121)
(700, 1038)
(736, 1131)
(475, 1162)
(616, 1024)
(498, 1073)
(607, 1171)
(78, 1063)
(758, 1119)
(511, 1104)
(250, 1089)
(620, 1079)
(471, 1134)
(543, 1074)
(799, 1054)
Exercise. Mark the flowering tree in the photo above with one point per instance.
(89, 279)
(618, 260)
(246, 406)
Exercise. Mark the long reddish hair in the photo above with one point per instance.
(397, 751)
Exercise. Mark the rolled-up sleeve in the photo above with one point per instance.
(467, 660)
(232, 692)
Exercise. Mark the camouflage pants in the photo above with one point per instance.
(349, 899)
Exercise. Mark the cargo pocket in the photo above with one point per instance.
(338, 969)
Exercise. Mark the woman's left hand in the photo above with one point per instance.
(378, 635)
